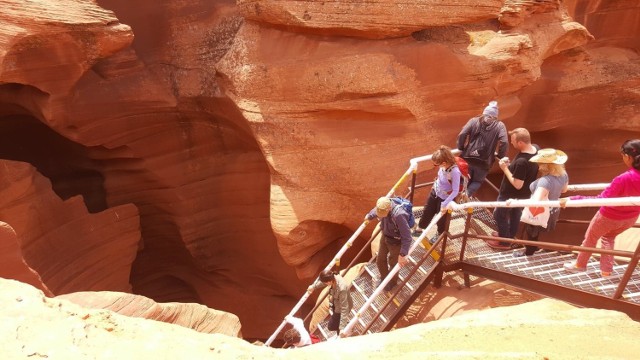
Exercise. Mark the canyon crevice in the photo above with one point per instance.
(220, 153)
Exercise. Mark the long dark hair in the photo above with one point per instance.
(327, 275)
(632, 148)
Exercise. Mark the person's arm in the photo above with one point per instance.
(503, 141)
(615, 189)
(317, 285)
(371, 215)
(541, 193)
(464, 134)
(401, 219)
(455, 187)
(519, 171)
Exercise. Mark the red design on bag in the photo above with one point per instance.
(535, 211)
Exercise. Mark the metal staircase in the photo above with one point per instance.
(542, 272)
(463, 247)
(388, 306)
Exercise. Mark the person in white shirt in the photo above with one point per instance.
(297, 336)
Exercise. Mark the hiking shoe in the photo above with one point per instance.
(573, 267)
(498, 245)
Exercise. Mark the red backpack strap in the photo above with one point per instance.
(314, 338)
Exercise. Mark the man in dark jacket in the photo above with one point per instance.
(478, 141)
(396, 237)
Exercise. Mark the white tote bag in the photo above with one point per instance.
(538, 216)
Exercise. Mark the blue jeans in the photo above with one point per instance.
(477, 176)
(507, 220)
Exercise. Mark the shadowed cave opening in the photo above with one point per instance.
(65, 163)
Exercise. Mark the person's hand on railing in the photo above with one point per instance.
(563, 202)
(450, 207)
(402, 260)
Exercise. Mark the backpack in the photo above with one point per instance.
(463, 166)
(407, 206)
(477, 148)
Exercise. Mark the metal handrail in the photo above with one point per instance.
(402, 283)
(391, 275)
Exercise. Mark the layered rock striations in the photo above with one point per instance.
(189, 315)
(220, 153)
(143, 129)
(340, 129)
(359, 18)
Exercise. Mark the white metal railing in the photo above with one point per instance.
(512, 203)
(311, 288)
(391, 275)
(336, 259)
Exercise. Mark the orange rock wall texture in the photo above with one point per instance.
(221, 152)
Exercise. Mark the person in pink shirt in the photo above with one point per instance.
(610, 221)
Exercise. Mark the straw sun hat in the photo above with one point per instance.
(550, 156)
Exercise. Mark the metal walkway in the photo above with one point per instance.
(543, 273)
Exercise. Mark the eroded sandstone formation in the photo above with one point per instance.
(145, 130)
(193, 316)
(34, 326)
(220, 153)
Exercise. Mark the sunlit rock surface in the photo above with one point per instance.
(36, 326)
(220, 153)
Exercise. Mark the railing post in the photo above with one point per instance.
(413, 186)
(465, 235)
(437, 279)
(633, 262)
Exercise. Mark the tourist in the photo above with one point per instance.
(610, 221)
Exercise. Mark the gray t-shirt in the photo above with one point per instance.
(553, 184)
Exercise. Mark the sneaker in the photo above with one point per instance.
(573, 267)
(521, 253)
(417, 232)
(495, 244)
(433, 239)
(605, 274)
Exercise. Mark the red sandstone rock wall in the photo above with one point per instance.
(215, 153)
